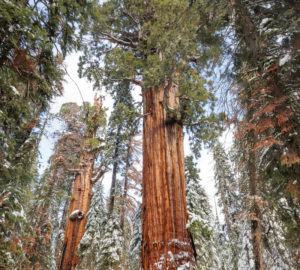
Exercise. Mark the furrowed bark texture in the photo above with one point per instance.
(81, 199)
(165, 240)
(256, 215)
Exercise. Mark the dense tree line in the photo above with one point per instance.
(157, 214)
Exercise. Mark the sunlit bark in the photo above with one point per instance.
(166, 243)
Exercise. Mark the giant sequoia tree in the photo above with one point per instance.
(90, 140)
(164, 48)
(160, 46)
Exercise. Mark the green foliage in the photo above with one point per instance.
(148, 46)
(90, 243)
(200, 218)
(31, 35)
(134, 249)
(111, 245)
(265, 65)
(123, 125)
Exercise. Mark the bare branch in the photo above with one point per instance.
(126, 12)
(137, 22)
(119, 41)
(193, 124)
(135, 81)
(139, 83)
(99, 175)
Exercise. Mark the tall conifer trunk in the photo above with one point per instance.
(256, 216)
(250, 36)
(226, 211)
(125, 190)
(114, 175)
(82, 194)
(165, 240)
(81, 198)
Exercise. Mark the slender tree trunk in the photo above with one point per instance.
(124, 197)
(250, 35)
(256, 216)
(79, 206)
(165, 240)
(114, 175)
(227, 218)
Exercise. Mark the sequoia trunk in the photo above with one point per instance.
(166, 243)
(79, 206)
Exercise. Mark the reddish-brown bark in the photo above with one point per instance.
(80, 201)
(81, 198)
(255, 215)
(166, 243)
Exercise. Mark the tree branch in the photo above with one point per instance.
(126, 12)
(194, 58)
(193, 124)
(119, 41)
(135, 81)
(100, 174)
(137, 22)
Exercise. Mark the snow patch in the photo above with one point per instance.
(15, 90)
(182, 256)
(7, 164)
(77, 214)
(285, 59)
(18, 213)
(177, 242)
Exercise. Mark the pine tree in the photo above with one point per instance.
(267, 75)
(135, 246)
(90, 243)
(122, 126)
(229, 202)
(110, 245)
(231, 183)
(200, 218)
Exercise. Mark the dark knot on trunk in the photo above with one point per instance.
(77, 214)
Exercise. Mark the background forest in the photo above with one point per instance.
(167, 75)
